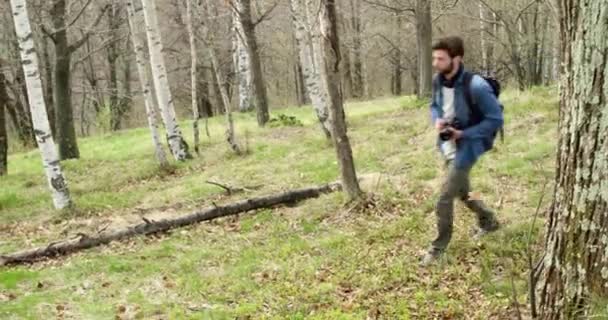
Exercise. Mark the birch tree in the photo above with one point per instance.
(44, 138)
(574, 267)
(193, 74)
(220, 80)
(178, 146)
(242, 64)
(146, 88)
(242, 9)
(330, 70)
(315, 86)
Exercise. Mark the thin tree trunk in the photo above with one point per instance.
(301, 94)
(482, 37)
(357, 72)
(21, 118)
(44, 138)
(230, 134)
(347, 74)
(257, 76)
(397, 75)
(116, 104)
(91, 76)
(146, 87)
(306, 37)
(125, 99)
(66, 132)
(574, 268)
(330, 69)
(177, 144)
(193, 74)
(242, 65)
(214, 90)
(48, 84)
(424, 37)
(3, 133)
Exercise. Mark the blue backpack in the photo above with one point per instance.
(477, 116)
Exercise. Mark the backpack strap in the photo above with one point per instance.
(476, 114)
(436, 85)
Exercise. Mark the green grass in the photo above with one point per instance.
(319, 260)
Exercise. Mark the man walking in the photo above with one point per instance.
(466, 113)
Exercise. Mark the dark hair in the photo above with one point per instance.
(453, 45)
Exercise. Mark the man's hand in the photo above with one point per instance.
(456, 134)
(440, 124)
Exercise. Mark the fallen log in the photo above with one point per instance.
(83, 241)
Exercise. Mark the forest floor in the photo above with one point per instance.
(321, 259)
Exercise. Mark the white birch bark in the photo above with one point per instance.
(310, 64)
(242, 64)
(140, 59)
(161, 82)
(44, 139)
(193, 72)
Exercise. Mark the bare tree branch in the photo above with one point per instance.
(265, 15)
(101, 47)
(73, 47)
(525, 9)
(50, 34)
(390, 8)
(84, 7)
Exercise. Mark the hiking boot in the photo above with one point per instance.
(480, 232)
(430, 256)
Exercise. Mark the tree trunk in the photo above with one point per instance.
(21, 118)
(125, 99)
(257, 76)
(48, 84)
(177, 144)
(116, 103)
(301, 93)
(424, 38)
(311, 67)
(44, 138)
(347, 74)
(230, 134)
(66, 132)
(90, 74)
(146, 87)
(330, 70)
(397, 75)
(205, 86)
(193, 75)
(357, 72)
(214, 90)
(574, 268)
(482, 38)
(242, 65)
(3, 133)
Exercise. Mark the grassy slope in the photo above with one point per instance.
(319, 260)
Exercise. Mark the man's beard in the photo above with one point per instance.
(449, 70)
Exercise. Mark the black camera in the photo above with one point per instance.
(446, 133)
